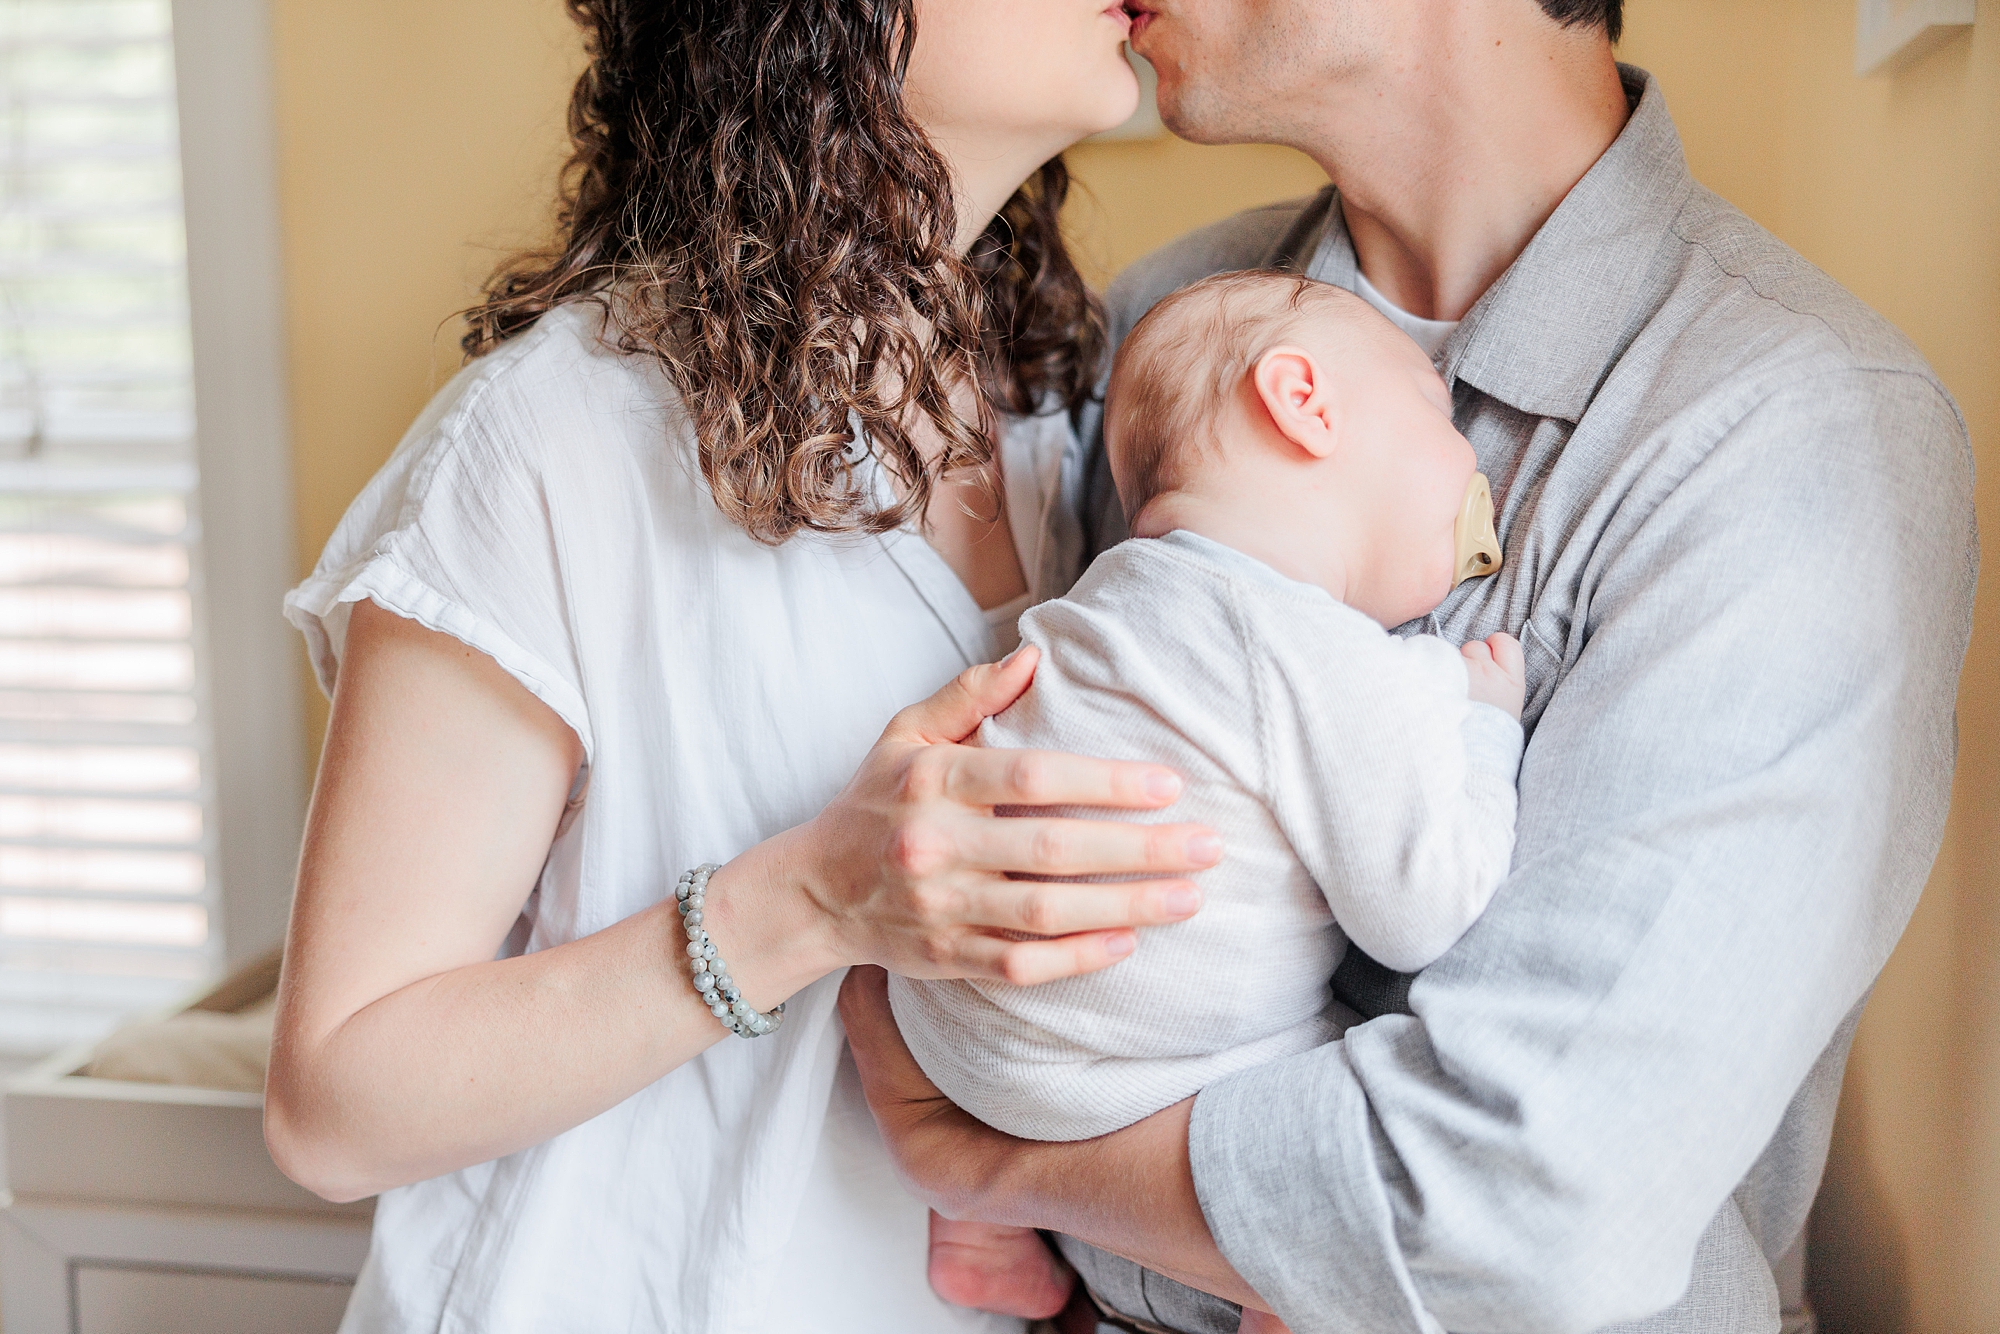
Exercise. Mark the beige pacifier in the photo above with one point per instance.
(1478, 542)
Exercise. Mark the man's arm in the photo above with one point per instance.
(1727, 812)
(1131, 1192)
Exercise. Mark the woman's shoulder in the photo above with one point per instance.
(553, 434)
(519, 483)
(556, 417)
(559, 394)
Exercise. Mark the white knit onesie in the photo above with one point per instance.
(1359, 794)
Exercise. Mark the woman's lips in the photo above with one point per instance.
(1119, 15)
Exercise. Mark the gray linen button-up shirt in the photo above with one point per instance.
(1736, 507)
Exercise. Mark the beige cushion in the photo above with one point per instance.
(197, 1049)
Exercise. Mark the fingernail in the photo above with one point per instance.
(1163, 785)
(1204, 849)
(1120, 946)
(1182, 902)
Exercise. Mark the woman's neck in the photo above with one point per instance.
(986, 170)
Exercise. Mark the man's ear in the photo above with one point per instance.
(1300, 400)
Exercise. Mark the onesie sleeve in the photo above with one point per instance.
(1396, 791)
(459, 533)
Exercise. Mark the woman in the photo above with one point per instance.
(724, 487)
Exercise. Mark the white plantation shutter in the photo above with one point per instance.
(107, 887)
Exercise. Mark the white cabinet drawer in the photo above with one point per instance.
(120, 1300)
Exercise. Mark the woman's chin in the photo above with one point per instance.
(1118, 107)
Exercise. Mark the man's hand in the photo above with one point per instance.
(1130, 1192)
(1498, 673)
(947, 1157)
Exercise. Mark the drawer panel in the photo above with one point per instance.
(120, 1300)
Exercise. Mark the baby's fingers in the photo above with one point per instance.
(1506, 651)
(1477, 652)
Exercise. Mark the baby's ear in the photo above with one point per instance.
(1300, 400)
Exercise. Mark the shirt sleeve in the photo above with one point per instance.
(1728, 809)
(1371, 776)
(458, 532)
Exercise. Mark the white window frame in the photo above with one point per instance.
(228, 142)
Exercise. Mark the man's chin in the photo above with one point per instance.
(1189, 115)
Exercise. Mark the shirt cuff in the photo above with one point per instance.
(1289, 1170)
(1493, 741)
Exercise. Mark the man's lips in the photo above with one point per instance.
(1139, 15)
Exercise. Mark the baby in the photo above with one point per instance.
(1294, 484)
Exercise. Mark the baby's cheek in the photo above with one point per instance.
(1439, 572)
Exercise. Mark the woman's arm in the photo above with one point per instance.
(404, 1049)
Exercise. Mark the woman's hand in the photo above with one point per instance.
(1130, 1192)
(909, 866)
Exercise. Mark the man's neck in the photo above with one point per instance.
(1449, 164)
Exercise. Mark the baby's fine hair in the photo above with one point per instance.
(1177, 368)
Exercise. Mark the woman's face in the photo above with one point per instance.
(993, 81)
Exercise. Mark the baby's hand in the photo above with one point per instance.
(1498, 672)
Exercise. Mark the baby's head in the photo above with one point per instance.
(1289, 419)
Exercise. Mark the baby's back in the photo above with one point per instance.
(1258, 691)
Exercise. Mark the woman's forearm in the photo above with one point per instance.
(482, 1060)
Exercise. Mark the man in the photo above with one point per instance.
(1737, 520)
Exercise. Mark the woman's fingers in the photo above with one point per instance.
(1048, 846)
(1029, 963)
(912, 863)
(967, 700)
(973, 776)
(1045, 908)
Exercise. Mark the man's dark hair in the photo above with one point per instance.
(1606, 14)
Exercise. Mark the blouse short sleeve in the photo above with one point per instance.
(459, 532)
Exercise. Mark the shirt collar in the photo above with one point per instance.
(1544, 336)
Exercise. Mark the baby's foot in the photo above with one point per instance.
(1256, 1322)
(1005, 1270)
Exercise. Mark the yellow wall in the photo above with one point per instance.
(418, 142)
(1132, 197)
(1891, 184)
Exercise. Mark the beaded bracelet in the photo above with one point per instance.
(711, 974)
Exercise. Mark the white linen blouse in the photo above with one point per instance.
(546, 510)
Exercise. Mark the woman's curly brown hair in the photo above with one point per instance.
(751, 203)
